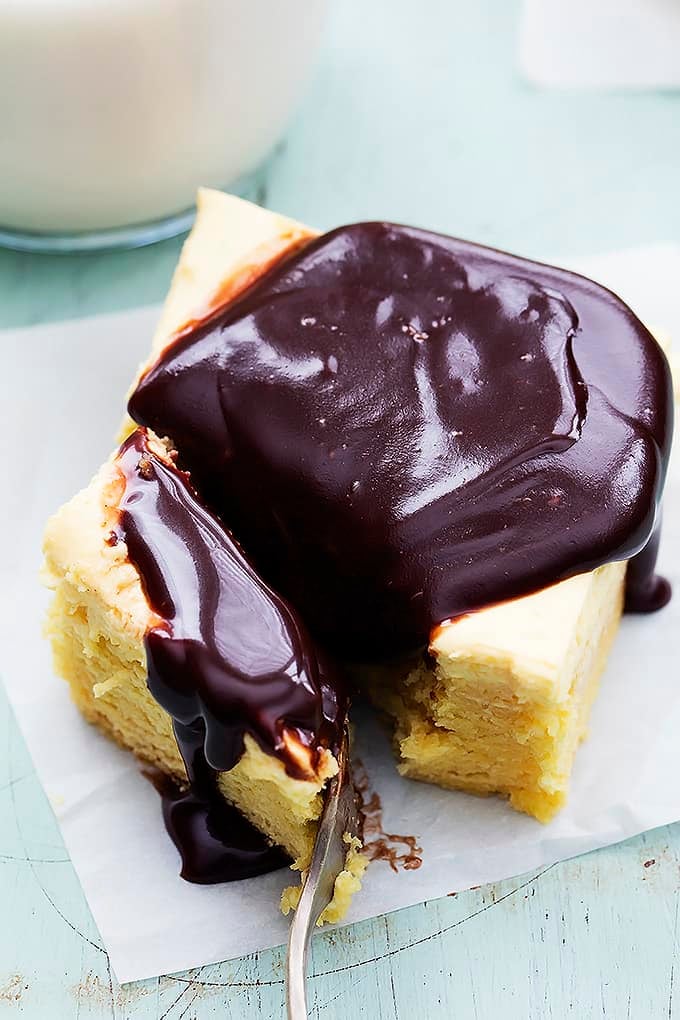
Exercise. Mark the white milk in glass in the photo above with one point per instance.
(113, 112)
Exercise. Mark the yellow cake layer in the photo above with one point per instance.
(507, 701)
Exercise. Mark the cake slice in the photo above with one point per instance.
(501, 701)
(250, 754)
(515, 649)
(98, 621)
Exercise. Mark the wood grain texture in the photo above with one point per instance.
(416, 114)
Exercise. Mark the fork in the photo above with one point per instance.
(340, 815)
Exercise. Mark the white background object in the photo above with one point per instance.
(601, 43)
(113, 112)
(63, 387)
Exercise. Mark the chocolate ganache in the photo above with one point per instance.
(225, 657)
(401, 428)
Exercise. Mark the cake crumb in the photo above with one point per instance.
(145, 469)
(347, 883)
(13, 989)
(400, 852)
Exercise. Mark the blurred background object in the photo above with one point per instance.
(113, 112)
(621, 44)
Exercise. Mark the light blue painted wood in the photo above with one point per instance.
(416, 114)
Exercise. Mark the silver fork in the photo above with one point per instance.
(340, 815)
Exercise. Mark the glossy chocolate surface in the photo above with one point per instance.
(226, 656)
(401, 428)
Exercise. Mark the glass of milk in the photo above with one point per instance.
(113, 112)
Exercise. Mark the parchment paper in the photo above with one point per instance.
(62, 392)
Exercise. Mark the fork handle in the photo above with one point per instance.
(296, 969)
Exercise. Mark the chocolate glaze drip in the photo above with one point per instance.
(216, 843)
(646, 591)
(402, 428)
(226, 656)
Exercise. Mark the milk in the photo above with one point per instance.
(113, 112)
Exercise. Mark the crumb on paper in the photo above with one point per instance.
(400, 852)
(13, 989)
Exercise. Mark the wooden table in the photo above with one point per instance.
(417, 115)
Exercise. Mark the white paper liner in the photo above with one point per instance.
(63, 387)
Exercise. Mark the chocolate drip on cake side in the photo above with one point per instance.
(226, 657)
(402, 428)
(646, 591)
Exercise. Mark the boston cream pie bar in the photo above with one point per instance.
(379, 457)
